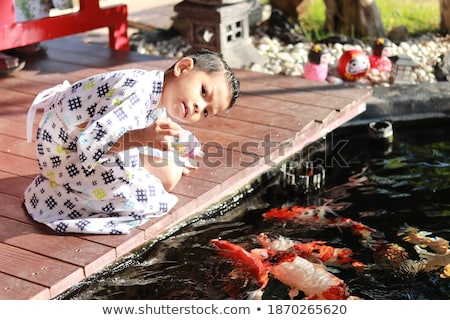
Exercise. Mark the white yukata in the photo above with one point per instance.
(81, 187)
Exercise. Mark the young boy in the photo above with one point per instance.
(94, 176)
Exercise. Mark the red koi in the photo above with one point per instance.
(322, 215)
(331, 256)
(247, 261)
(288, 213)
(297, 273)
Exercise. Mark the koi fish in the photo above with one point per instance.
(296, 272)
(249, 262)
(440, 257)
(413, 235)
(323, 215)
(389, 254)
(311, 278)
(435, 260)
(394, 256)
(320, 214)
(329, 255)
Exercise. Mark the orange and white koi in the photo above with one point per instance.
(440, 257)
(312, 279)
(413, 235)
(329, 255)
(323, 215)
(433, 259)
(298, 273)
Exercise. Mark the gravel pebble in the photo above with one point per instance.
(289, 59)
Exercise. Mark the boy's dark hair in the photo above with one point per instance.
(211, 61)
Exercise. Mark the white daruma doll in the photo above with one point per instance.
(316, 68)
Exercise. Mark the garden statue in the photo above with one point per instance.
(316, 68)
(380, 57)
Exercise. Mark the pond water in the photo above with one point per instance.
(387, 187)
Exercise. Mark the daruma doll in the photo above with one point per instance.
(353, 65)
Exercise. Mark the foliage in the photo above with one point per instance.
(418, 16)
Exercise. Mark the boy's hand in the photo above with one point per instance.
(158, 135)
(161, 132)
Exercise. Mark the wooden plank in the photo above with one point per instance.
(281, 81)
(41, 240)
(18, 165)
(123, 244)
(53, 274)
(47, 78)
(294, 95)
(24, 85)
(18, 147)
(217, 165)
(12, 184)
(66, 49)
(13, 288)
(53, 71)
(226, 141)
(306, 113)
(241, 127)
(14, 127)
(303, 85)
(195, 188)
(12, 100)
(12, 208)
(267, 117)
(298, 89)
(74, 45)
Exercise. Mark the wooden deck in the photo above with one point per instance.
(36, 263)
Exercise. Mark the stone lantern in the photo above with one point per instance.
(403, 69)
(222, 26)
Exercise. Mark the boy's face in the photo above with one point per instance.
(190, 95)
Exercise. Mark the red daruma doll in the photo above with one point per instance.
(353, 65)
(316, 68)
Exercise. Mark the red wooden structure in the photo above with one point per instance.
(91, 16)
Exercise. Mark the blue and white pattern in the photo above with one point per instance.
(81, 187)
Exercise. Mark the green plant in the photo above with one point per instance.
(418, 16)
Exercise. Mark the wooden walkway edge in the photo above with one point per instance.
(275, 117)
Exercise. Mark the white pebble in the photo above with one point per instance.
(289, 59)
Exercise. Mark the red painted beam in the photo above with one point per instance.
(15, 34)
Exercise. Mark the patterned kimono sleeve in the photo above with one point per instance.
(130, 104)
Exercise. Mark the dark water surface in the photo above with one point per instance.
(386, 187)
